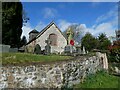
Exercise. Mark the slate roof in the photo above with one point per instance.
(34, 31)
(42, 31)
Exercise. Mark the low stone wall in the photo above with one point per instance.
(50, 75)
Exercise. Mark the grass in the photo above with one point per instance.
(20, 58)
(100, 80)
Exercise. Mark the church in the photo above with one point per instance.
(51, 35)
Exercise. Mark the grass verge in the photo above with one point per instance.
(18, 58)
(100, 80)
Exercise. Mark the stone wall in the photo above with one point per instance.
(50, 75)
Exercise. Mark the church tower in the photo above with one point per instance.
(33, 34)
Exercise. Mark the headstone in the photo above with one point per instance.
(87, 52)
(84, 50)
(37, 49)
(4, 48)
(78, 49)
(13, 50)
(47, 47)
(69, 49)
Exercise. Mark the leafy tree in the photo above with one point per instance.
(114, 55)
(103, 42)
(89, 42)
(11, 23)
(23, 41)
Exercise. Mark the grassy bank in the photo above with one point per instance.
(18, 58)
(100, 80)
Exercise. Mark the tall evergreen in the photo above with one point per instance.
(11, 23)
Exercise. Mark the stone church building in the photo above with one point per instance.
(51, 35)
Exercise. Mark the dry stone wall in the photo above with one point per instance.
(49, 75)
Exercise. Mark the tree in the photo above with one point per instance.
(89, 42)
(23, 41)
(11, 23)
(103, 42)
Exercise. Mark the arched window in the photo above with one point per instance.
(53, 39)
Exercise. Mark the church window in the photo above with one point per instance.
(53, 39)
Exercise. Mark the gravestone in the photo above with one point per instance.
(13, 50)
(69, 49)
(84, 52)
(37, 49)
(47, 47)
(78, 49)
(87, 52)
(4, 48)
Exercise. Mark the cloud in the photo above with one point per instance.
(49, 12)
(63, 24)
(106, 23)
(82, 27)
(26, 29)
(113, 13)
(106, 28)
(40, 26)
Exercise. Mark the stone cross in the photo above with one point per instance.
(69, 35)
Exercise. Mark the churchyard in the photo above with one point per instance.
(78, 53)
(49, 60)
(26, 58)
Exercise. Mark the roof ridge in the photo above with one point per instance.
(34, 30)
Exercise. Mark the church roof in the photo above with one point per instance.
(42, 31)
(34, 31)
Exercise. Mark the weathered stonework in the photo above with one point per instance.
(53, 75)
(44, 35)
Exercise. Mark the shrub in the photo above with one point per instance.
(114, 55)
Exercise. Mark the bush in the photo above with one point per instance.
(114, 55)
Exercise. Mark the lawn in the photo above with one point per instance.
(100, 80)
(20, 58)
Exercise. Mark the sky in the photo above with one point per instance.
(93, 17)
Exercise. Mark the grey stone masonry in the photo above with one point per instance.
(50, 75)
